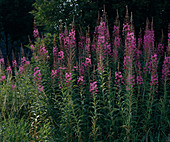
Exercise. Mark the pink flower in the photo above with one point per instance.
(9, 70)
(55, 51)
(35, 57)
(75, 67)
(23, 60)
(61, 54)
(3, 78)
(93, 86)
(32, 47)
(88, 61)
(36, 33)
(62, 68)
(36, 68)
(68, 77)
(165, 68)
(139, 80)
(27, 63)
(80, 80)
(154, 73)
(118, 79)
(44, 52)
(14, 63)
(37, 75)
(13, 87)
(40, 88)
(54, 73)
(21, 69)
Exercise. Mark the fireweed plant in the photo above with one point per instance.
(111, 88)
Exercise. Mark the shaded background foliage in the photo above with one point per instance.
(16, 21)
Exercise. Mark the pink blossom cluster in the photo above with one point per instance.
(80, 80)
(115, 31)
(61, 35)
(13, 87)
(40, 88)
(154, 73)
(93, 86)
(118, 79)
(88, 61)
(68, 77)
(116, 44)
(138, 54)
(36, 33)
(80, 43)
(72, 37)
(75, 68)
(3, 78)
(23, 60)
(32, 47)
(160, 49)
(61, 55)
(37, 74)
(103, 42)
(14, 63)
(126, 28)
(44, 52)
(37, 78)
(127, 62)
(148, 44)
(9, 70)
(130, 82)
(130, 45)
(62, 68)
(166, 67)
(69, 39)
(139, 79)
(100, 69)
(21, 69)
(82, 68)
(55, 50)
(54, 73)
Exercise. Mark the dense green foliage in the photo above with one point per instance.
(86, 86)
(106, 93)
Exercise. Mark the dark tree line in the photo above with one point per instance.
(16, 21)
(49, 12)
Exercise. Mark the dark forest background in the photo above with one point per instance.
(17, 17)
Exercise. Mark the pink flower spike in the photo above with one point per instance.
(9, 70)
(21, 69)
(23, 60)
(13, 87)
(93, 86)
(80, 79)
(61, 54)
(32, 47)
(3, 78)
(14, 63)
(36, 33)
(40, 88)
(62, 68)
(36, 68)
